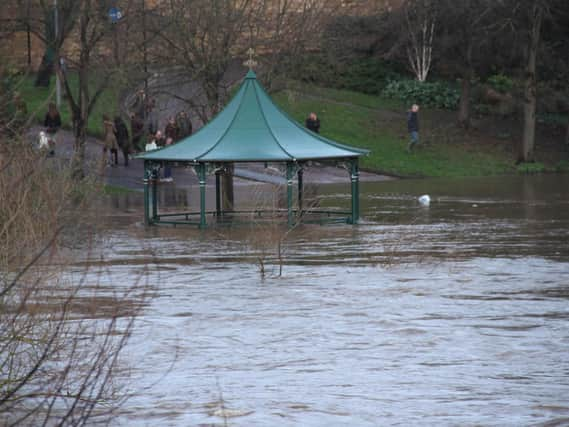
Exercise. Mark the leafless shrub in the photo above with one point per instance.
(58, 353)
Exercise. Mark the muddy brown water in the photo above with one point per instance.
(455, 314)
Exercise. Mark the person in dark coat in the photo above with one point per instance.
(172, 130)
(160, 139)
(52, 123)
(151, 118)
(413, 126)
(313, 123)
(184, 124)
(121, 132)
(137, 131)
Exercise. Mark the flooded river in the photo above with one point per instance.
(456, 314)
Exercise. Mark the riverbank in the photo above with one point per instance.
(379, 124)
(123, 178)
(446, 150)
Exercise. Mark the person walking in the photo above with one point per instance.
(52, 123)
(151, 118)
(313, 123)
(184, 124)
(137, 131)
(413, 126)
(121, 133)
(110, 141)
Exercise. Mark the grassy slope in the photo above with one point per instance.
(380, 125)
(348, 117)
(38, 97)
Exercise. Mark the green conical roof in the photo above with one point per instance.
(252, 128)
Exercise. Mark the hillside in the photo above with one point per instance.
(446, 150)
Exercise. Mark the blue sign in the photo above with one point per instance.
(115, 14)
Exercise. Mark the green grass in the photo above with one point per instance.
(37, 99)
(343, 96)
(378, 124)
(348, 117)
(115, 189)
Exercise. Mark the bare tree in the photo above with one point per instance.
(283, 30)
(420, 25)
(467, 29)
(202, 37)
(58, 354)
(536, 12)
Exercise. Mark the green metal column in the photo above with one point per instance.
(289, 172)
(147, 220)
(201, 174)
(355, 178)
(154, 180)
(217, 193)
(300, 191)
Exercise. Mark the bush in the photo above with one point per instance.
(366, 75)
(429, 94)
(562, 166)
(59, 353)
(369, 76)
(530, 168)
(501, 83)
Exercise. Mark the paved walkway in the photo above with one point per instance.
(246, 173)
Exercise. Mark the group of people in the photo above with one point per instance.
(177, 128)
(144, 125)
(144, 130)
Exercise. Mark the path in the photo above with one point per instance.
(131, 177)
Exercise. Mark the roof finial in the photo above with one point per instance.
(250, 62)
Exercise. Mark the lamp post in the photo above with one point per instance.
(144, 53)
(57, 82)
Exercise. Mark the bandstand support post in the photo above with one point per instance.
(289, 173)
(154, 180)
(147, 175)
(355, 179)
(218, 193)
(201, 175)
(300, 191)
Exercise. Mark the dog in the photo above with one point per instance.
(43, 141)
(46, 143)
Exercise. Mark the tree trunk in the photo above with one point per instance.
(567, 135)
(79, 150)
(530, 87)
(81, 117)
(464, 106)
